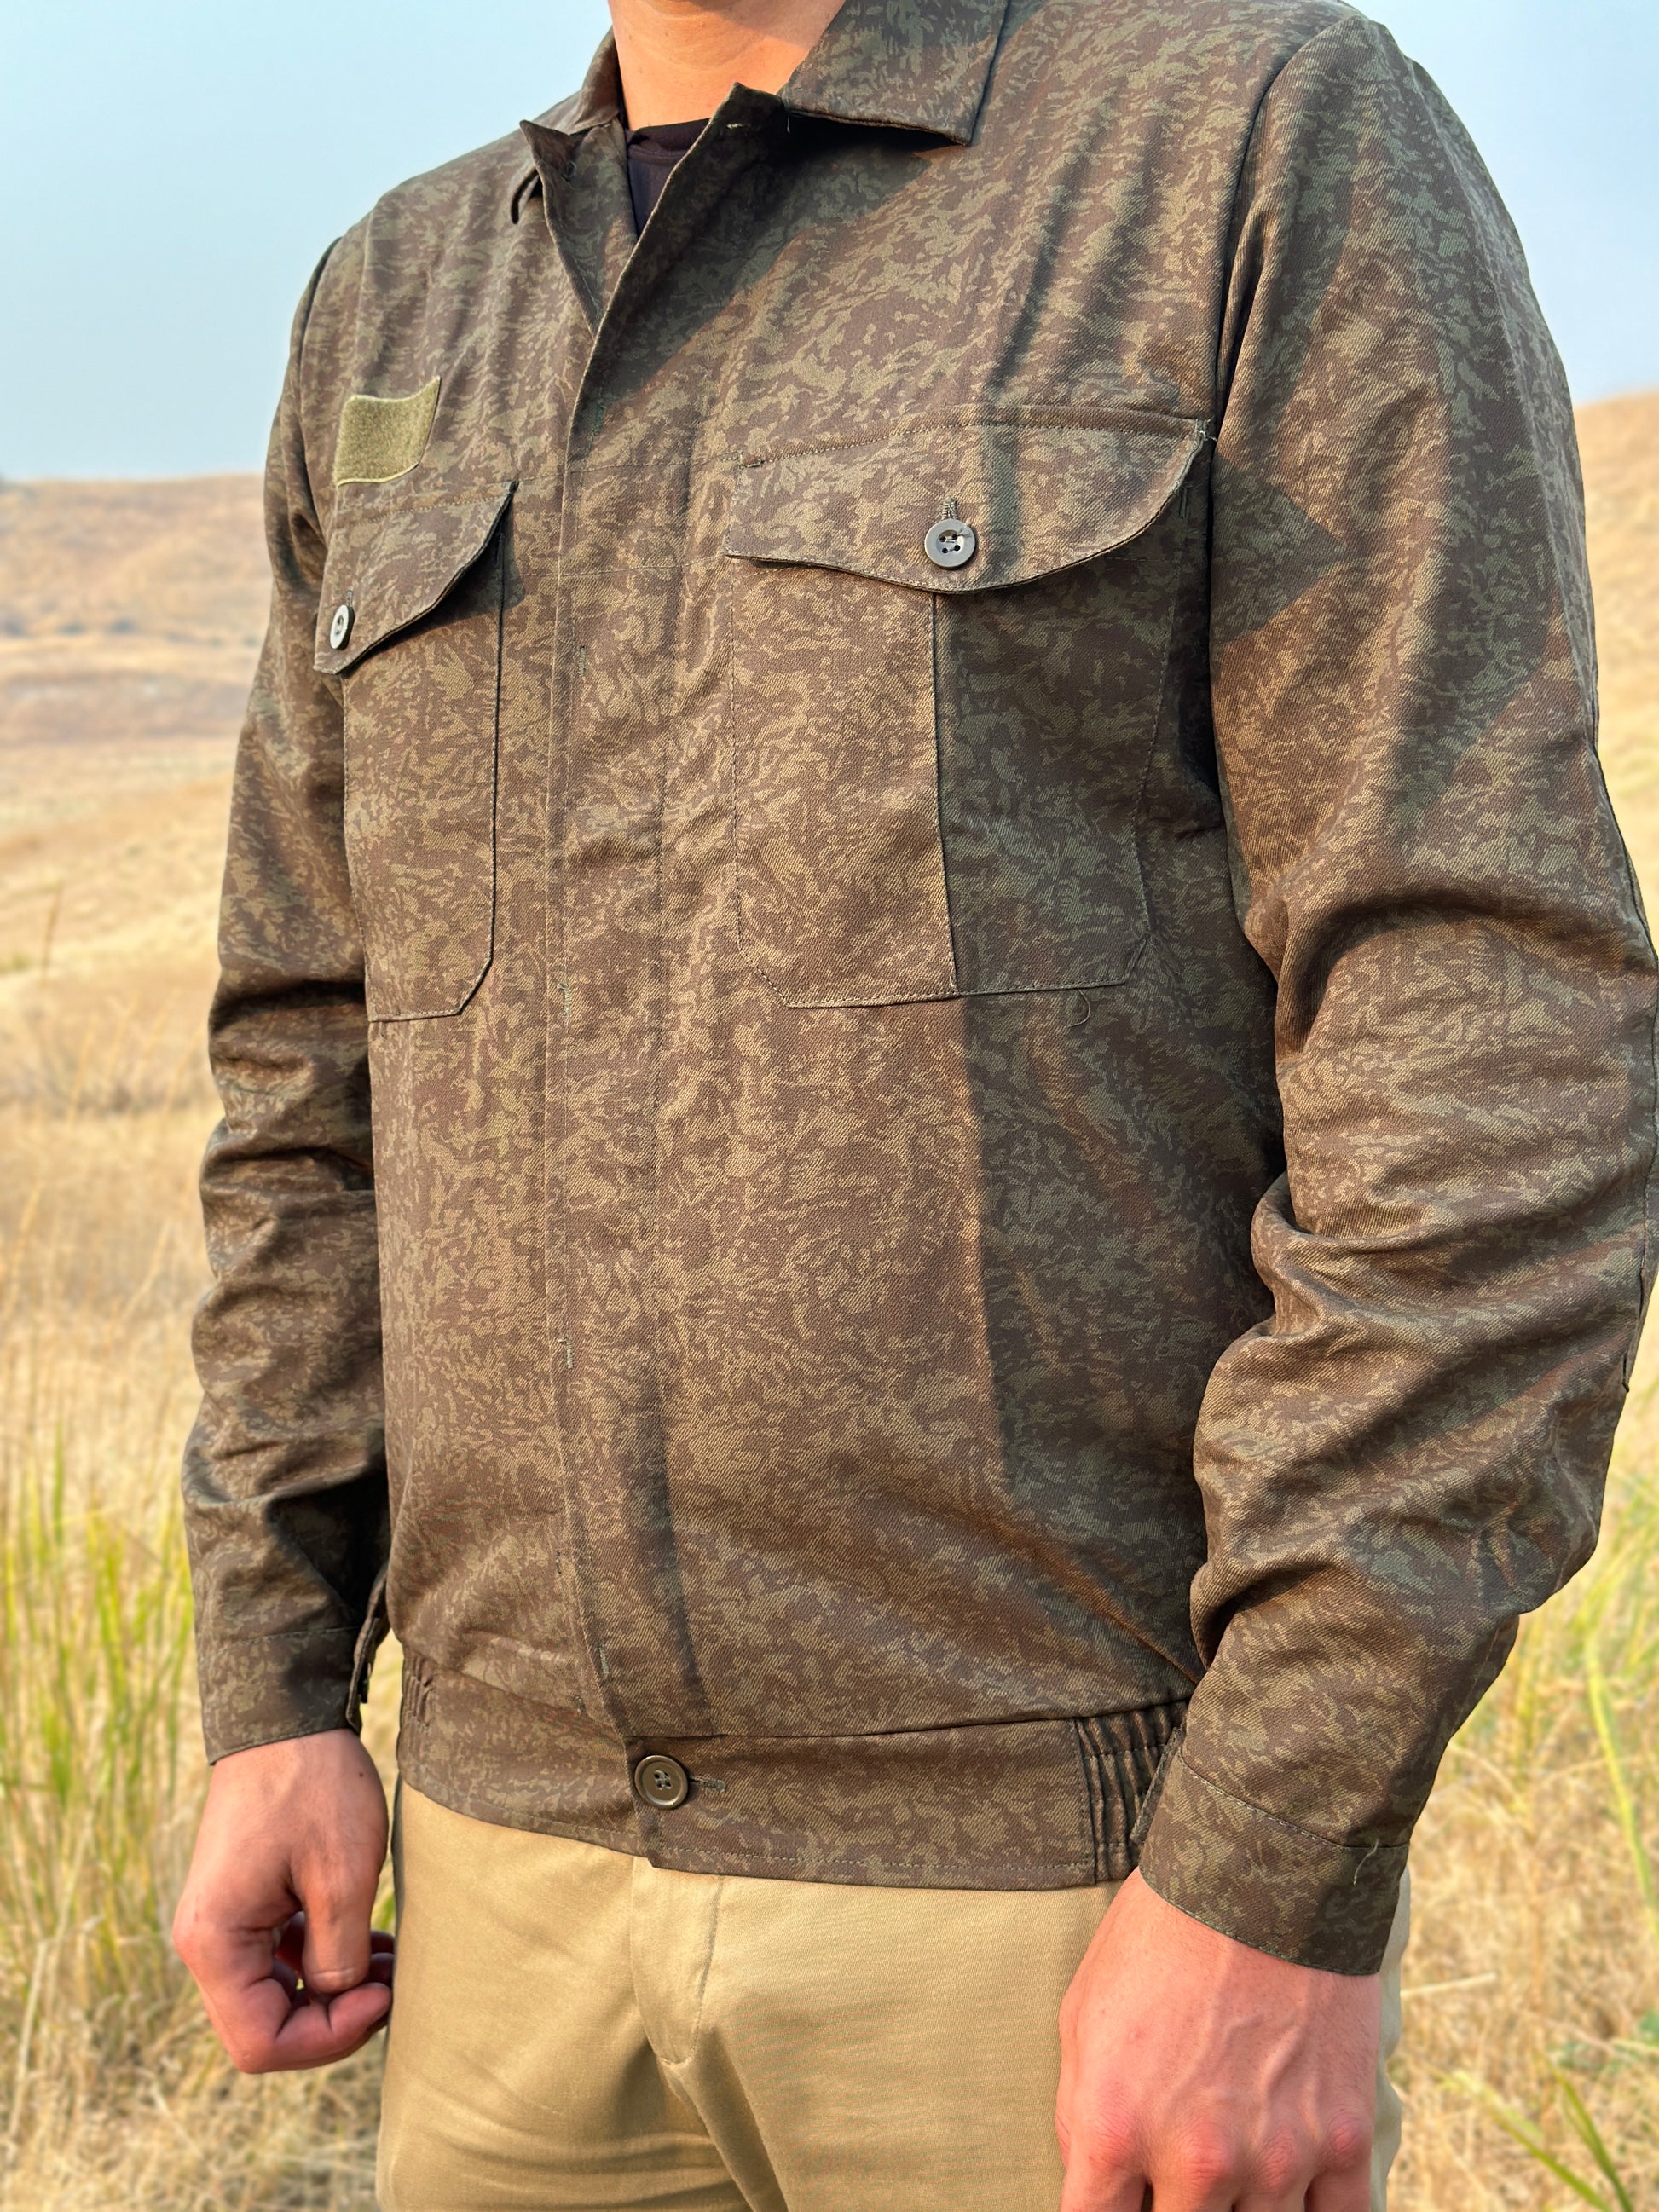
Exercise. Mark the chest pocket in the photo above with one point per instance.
(938, 769)
(411, 623)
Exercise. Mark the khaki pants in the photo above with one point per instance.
(575, 2029)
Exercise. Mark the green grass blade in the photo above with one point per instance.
(1629, 1824)
(1522, 2131)
(1590, 2135)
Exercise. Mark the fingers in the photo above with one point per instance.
(1106, 2170)
(288, 1962)
(266, 2032)
(249, 1989)
(1329, 2171)
(1201, 2176)
(1346, 2187)
(339, 1904)
(1086, 2191)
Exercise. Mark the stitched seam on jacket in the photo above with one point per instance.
(496, 549)
(1198, 429)
(862, 1870)
(230, 1642)
(1093, 1795)
(1290, 1827)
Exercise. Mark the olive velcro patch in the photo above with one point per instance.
(380, 439)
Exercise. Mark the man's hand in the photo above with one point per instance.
(274, 1922)
(1212, 2075)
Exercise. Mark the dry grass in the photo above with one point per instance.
(1534, 1977)
(129, 617)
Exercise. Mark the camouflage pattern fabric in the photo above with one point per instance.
(1000, 1204)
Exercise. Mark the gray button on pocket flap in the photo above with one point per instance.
(340, 629)
(950, 544)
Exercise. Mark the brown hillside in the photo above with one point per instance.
(128, 612)
(130, 618)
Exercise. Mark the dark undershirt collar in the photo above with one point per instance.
(653, 156)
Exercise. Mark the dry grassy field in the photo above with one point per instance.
(129, 616)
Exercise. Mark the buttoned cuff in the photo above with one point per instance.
(265, 1689)
(1266, 1882)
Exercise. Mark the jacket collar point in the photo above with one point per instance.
(889, 64)
(881, 63)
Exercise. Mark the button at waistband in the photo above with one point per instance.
(662, 1782)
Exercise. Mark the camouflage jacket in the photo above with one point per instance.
(936, 1051)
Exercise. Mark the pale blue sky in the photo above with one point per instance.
(171, 171)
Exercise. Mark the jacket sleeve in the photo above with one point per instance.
(1409, 1454)
(285, 1484)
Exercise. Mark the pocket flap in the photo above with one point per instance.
(389, 567)
(1039, 497)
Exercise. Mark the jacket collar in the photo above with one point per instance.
(902, 65)
(895, 65)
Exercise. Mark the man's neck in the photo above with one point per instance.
(679, 58)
